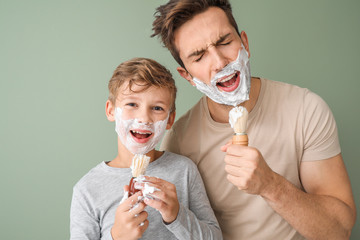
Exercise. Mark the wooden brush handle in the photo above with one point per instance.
(240, 140)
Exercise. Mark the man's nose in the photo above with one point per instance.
(219, 60)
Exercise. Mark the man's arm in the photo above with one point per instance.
(326, 210)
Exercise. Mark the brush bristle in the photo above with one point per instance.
(238, 117)
(139, 164)
(240, 125)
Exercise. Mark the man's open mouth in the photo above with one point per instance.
(141, 136)
(229, 83)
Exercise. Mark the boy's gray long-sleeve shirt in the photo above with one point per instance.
(97, 195)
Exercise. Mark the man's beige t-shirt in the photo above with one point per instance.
(288, 125)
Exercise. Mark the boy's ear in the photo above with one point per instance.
(109, 111)
(185, 74)
(171, 120)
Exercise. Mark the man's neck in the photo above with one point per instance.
(220, 113)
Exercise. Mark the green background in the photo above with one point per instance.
(56, 58)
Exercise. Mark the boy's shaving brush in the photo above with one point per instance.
(138, 167)
(238, 117)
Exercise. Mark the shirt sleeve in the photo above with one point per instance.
(83, 223)
(198, 221)
(320, 132)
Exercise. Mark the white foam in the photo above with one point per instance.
(149, 189)
(122, 128)
(235, 114)
(241, 93)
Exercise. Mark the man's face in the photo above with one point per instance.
(206, 44)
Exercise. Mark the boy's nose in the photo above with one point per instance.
(144, 117)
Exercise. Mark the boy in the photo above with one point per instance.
(142, 102)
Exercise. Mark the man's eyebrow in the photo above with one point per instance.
(196, 53)
(201, 51)
(222, 38)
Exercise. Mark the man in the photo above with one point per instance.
(290, 182)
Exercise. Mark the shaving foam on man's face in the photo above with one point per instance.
(230, 86)
(136, 136)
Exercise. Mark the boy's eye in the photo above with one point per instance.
(157, 108)
(131, 104)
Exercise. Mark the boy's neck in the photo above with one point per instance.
(124, 157)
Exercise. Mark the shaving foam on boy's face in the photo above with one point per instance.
(230, 86)
(136, 136)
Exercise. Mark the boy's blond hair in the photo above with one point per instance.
(142, 72)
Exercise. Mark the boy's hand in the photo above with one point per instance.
(130, 219)
(165, 198)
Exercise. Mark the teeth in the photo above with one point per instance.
(140, 132)
(228, 78)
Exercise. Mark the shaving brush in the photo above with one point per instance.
(238, 117)
(138, 167)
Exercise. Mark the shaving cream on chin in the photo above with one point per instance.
(122, 128)
(241, 93)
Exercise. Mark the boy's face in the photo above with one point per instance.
(141, 117)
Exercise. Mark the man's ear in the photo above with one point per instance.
(245, 41)
(185, 74)
(109, 111)
(171, 120)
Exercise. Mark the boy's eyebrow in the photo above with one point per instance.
(201, 51)
(132, 98)
(162, 102)
(127, 97)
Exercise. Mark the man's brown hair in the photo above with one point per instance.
(142, 72)
(172, 15)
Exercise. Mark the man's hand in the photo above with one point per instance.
(247, 169)
(130, 219)
(324, 210)
(164, 197)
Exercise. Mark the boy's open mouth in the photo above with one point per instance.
(141, 136)
(229, 83)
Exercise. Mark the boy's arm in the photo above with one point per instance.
(83, 224)
(198, 219)
(196, 222)
(189, 226)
